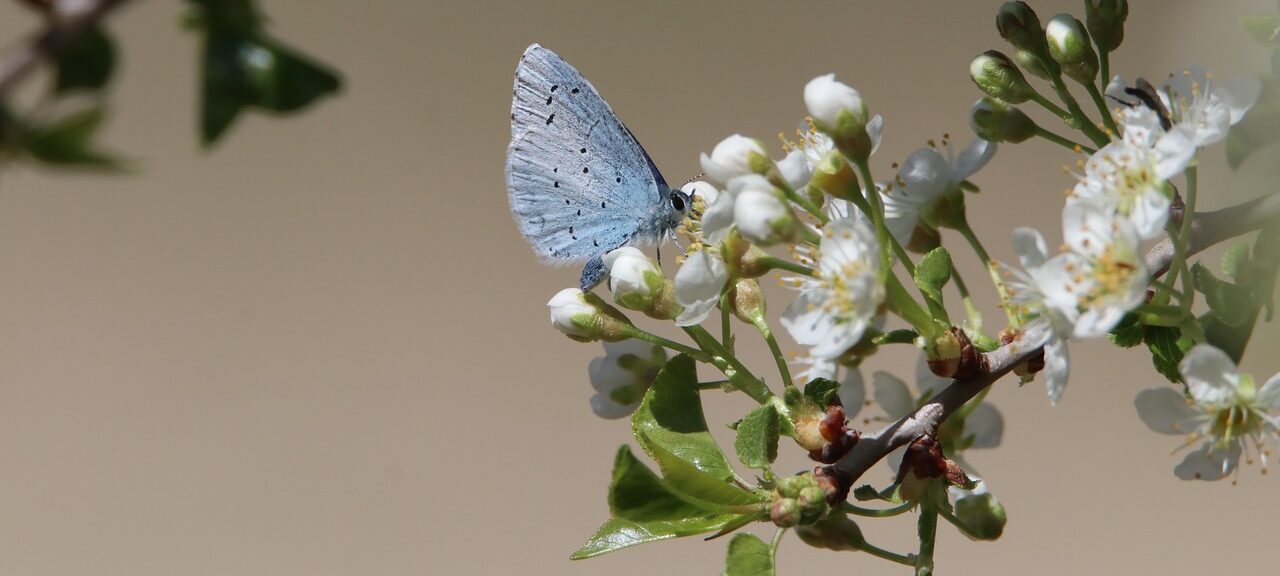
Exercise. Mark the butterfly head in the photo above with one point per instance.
(678, 204)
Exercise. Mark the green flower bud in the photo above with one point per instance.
(999, 77)
(1019, 25)
(1105, 19)
(839, 112)
(790, 486)
(981, 513)
(748, 301)
(835, 176)
(835, 532)
(584, 317)
(785, 513)
(1069, 46)
(813, 504)
(996, 121)
(638, 284)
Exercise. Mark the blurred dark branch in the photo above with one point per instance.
(1208, 229)
(64, 24)
(41, 6)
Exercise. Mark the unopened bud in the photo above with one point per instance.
(813, 504)
(996, 121)
(585, 317)
(785, 513)
(835, 176)
(748, 301)
(1019, 25)
(980, 512)
(1069, 46)
(1105, 20)
(1000, 78)
(835, 532)
(638, 284)
(761, 212)
(839, 112)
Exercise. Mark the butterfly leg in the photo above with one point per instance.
(592, 274)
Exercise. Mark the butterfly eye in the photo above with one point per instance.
(677, 202)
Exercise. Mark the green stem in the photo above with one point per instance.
(1184, 238)
(776, 179)
(906, 307)
(1050, 106)
(876, 212)
(713, 385)
(783, 371)
(1102, 107)
(872, 513)
(974, 243)
(775, 263)
(1063, 141)
(738, 374)
(773, 546)
(726, 331)
(1078, 116)
(694, 353)
(878, 552)
(927, 529)
(1104, 76)
(961, 526)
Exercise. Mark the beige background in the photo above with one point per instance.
(321, 348)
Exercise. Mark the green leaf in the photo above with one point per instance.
(696, 486)
(66, 141)
(1259, 128)
(1263, 28)
(899, 336)
(637, 494)
(1127, 333)
(1235, 261)
(86, 62)
(822, 391)
(619, 533)
(1166, 350)
(932, 273)
(671, 418)
(757, 441)
(748, 556)
(1230, 303)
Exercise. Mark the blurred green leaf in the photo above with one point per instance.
(246, 68)
(932, 273)
(757, 441)
(748, 556)
(1263, 28)
(1167, 348)
(1230, 303)
(1235, 261)
(1127, 333)
(620, 533)
(67, 140)
(671, 417)
(86, 62)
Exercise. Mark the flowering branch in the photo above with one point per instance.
(983, 369)
(64, 26)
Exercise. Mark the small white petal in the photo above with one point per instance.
(852, 392)
(987, 426)
(874, 129)
(795, 169)
(1269, 395)
(1210, 375)
(1030, 247)
(1056, 368)
(1166, 411)
(1175, 149)
(1240, 94)
(891, 394)
(804, 318)
(699, 282)
(1209, 462)
(973, 158)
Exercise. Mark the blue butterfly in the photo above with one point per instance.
(579, 183)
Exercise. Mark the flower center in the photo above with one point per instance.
(1112, 275)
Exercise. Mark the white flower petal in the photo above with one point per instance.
(1240, 94)
(804, 318)
(1030, 247)
(925, 175)
(1210, 375)
(874, 129)
(795, 169)
(1166, 411)
(699, 282)
(852, 392)
(1269, 395)
(1174, 151)
(891, 394)
(987, 426)
(605, 407)
(973, 158)
(1056, 368)
(1208, 462)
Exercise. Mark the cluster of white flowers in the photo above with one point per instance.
(1122, 198)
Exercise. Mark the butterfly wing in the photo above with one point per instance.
(578, 182)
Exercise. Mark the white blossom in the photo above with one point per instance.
(1128, 176)
(732, 157)
(827, 99)
(760, 211)
(699, 282)
(835, 308)
(1208, 107)
(571, 313)
(634, 279)
(925, 176)
(621, 377)
(1100, 277)
(1225, 410)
